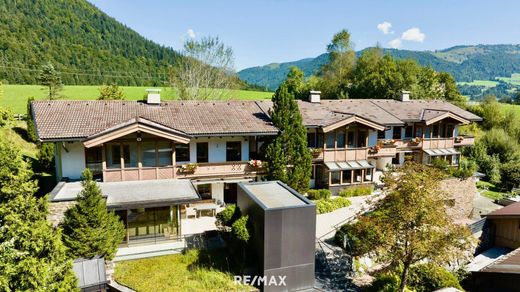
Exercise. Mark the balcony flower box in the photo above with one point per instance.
(257, 164)
(459, 139)
(188, 168)
(388, 142)
(316, 152)
(416, 141)
(374, 149)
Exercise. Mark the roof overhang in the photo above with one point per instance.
(136, 125)
(348, 165)
(441, 151)
(353, 119)
(447, 115)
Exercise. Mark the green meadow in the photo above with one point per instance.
(15, 96)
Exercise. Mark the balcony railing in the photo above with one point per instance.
(343, 154)
(438, 143)
(170, 172)
(382, 151)
(464, 141)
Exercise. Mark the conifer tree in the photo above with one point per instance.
(31, 130)
(89, 230)
(32, 255)
(288, 158)
(51, 79)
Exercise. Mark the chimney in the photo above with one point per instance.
(405, 95)
(314, 96)
(154, 96)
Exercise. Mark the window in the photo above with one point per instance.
(130, 154)
(334, 177)
(114, 156)
(311, 140)
(330, 139)
(408, 132)
(182, 152)
(340, 138)
(381, 135)
(368, 174)
(202, 152)
(443, 130)
(350, 139)
(395, 160)
(357, 175)
(418, 131)
(397, 133)
(319, 140)
(204, 191)
(233, 151)
(449, 130)
(347, 176)
(164, 149)
(94, 159)
(148, 153)
(435, 131)
(362, 139)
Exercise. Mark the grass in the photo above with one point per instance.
(514, 79)
(15, 96)
(194, 270)
(489, 190)
(17, 134)
(485, 83)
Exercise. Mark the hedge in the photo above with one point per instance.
(318, 194)
(329, 205)
(357, 191)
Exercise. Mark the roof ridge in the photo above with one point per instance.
(385, 110)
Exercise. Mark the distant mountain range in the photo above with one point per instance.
(465, 63)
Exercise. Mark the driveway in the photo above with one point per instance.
(327, 223)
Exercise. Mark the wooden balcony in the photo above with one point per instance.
(383, 151)
(464, 141)
(343, 154)
(438, 143)
(220, 169)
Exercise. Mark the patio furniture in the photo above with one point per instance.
(211, 207)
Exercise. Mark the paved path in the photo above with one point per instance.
(326, 223)
(483, 205)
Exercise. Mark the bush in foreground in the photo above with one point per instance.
(357, 191)
(329, 205)
(318, 194)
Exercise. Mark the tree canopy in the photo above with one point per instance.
(51, 80)
(111, 92)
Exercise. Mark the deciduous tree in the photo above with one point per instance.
(89, 229)
(111, 92)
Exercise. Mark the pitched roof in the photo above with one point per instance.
(61, 120)
(508, 211)
(509, 263)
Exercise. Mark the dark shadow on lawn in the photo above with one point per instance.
(22, 133)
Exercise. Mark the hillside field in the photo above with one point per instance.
(15, 96)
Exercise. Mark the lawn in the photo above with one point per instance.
(489, 190)
(194, 270)
(15, 96)
(18, 135)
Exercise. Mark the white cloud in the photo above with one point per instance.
(385, 27)
(191, 33)
(413, 34)
(395, 43)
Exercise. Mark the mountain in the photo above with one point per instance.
(84, 43)
(465, 63)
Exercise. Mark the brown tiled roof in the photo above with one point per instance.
(509, 263)
(512, 210)
(63, 119)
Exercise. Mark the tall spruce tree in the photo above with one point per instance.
(51, 79)
(89, 230)
(31, 130)
(288, 158)
(32, 255)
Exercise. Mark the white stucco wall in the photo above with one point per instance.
(217, 148)
(73, 160)
(217, 191)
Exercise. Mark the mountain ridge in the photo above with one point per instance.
(464, 62)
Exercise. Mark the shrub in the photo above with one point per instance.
(361, 238)
(357, 191)
(240, 230)
(385, 282)
(431, 277)
(46, 156)
(510, 174)
(228, 216)
(329, 205)
(466, 169)
(440, 164)
(318, 194)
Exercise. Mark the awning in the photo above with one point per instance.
(348, 165)
(133, 193)
(441, 151)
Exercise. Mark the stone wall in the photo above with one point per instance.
(57, 211)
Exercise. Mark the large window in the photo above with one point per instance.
(233, 151)
(408, 132)
(362, 139)
(340, 138)
(380, 134)
(350, 139)
(311, 140)
(347, 176)
(449, 130)
(204, 191)
(330, 139)
(182, 152)
(202, 152)
(94, 159)
(435, 131)
(335, 177)
(114, 156)
(148, 153)
(164, 153)
(396, 133)
(418, 131)
(130, 154)
(319, 140)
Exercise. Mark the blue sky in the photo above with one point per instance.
(262, 32)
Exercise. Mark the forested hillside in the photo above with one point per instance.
(85, 44)
(465, 63)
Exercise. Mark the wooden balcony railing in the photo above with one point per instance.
(464, 141)
(382, 151)
(342, 154)
(437, 143)
(170, 172)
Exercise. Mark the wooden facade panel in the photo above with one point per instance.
(507, 232)
(130, 174)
